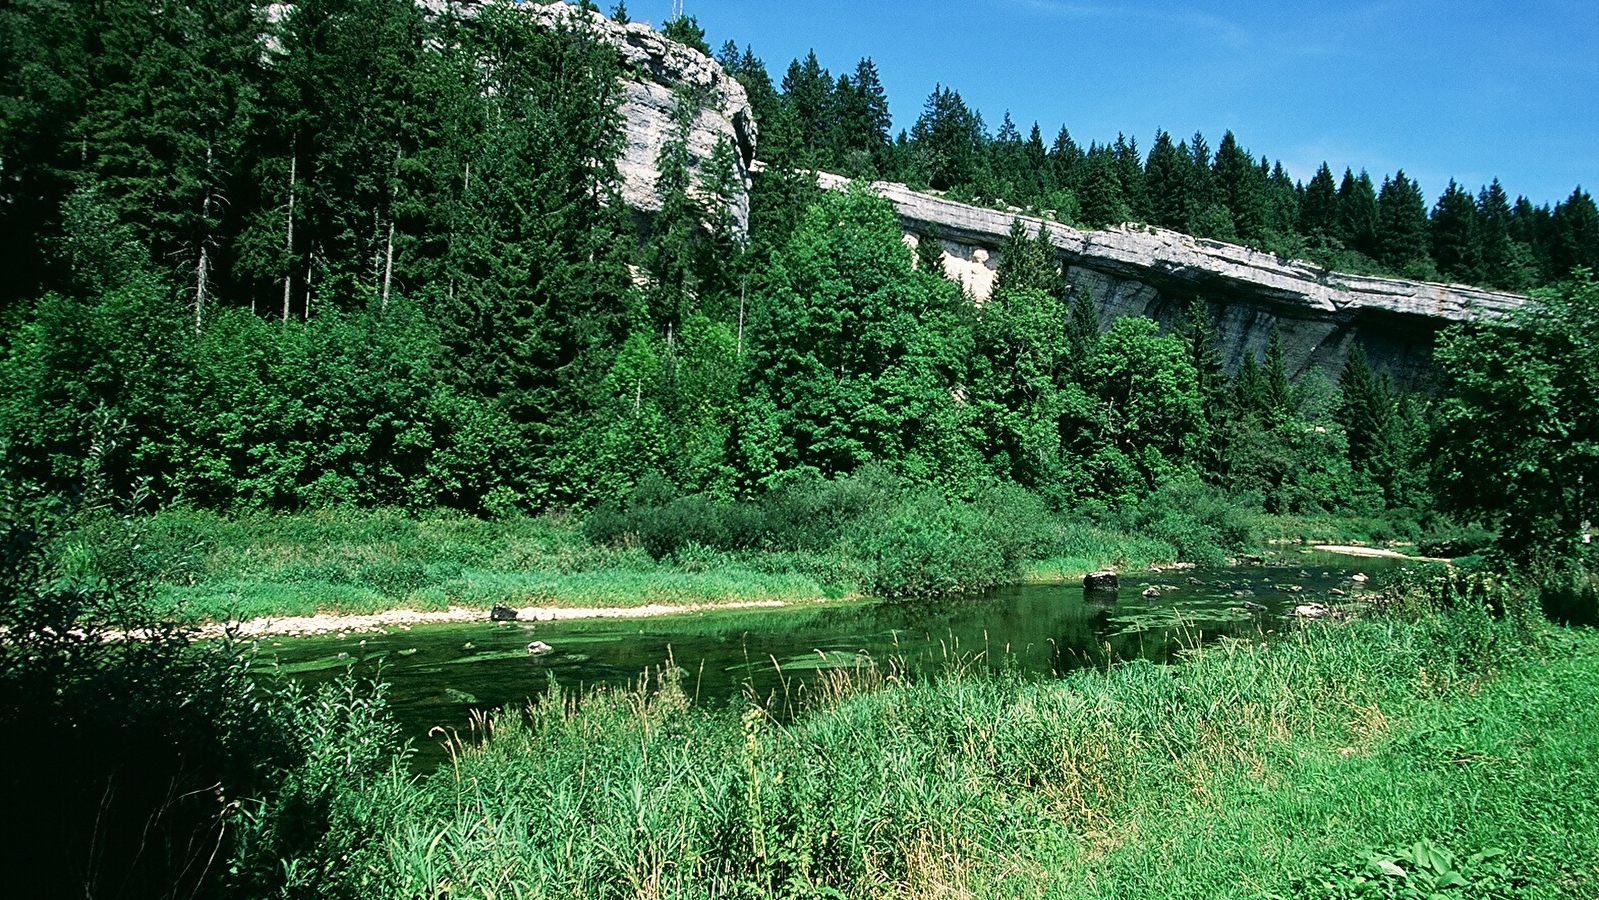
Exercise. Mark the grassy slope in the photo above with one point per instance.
(1246, 772)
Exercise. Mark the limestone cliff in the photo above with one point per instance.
(656, 70)
(1147, 271)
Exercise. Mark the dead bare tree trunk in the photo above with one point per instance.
(201, 268)
(288, 240)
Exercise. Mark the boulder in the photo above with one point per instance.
(539, 648)
(1151, 592)
(503, 614)
(1099, 582)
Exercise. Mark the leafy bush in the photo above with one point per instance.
(1201, 522)
(896, 540)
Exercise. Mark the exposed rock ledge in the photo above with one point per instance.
(1149, 271)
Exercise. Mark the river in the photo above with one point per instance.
(438, 675)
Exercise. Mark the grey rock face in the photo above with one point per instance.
(1148, 271)
(656, 69)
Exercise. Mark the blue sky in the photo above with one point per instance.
(1467, 89)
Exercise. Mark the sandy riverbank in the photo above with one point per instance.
(1373, 553)
(337, 623)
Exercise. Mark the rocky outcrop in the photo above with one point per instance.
(658, 71)
(1136, 270)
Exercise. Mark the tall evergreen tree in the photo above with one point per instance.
(1166, 182)
(1067, 161)
(1357, 213)
(809, 102)
(1575, 233)
(1456, 242)
(1103, 202)
(1130, 174)
(1402, 228)
(1318, 212)
(1276, 392)
(1499, 263)
(948, 139)
(1241, 190)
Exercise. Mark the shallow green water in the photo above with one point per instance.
(440, 674)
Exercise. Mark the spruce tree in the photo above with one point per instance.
(809, 102)
(1130, 174)
(1101, 197)
(1277, 396)
(1499, 263)
(1318, 211)
(1166, 183)
(1357, 214)
(1067, 161)
(1456, 242)
(1241, 188)
(947, 140)
(1402, 228)
(1575, 233)
(1367, 411)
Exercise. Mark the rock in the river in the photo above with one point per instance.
(1151, 592)
(503, 614)
(1101, 581)
(1311, 611)
(539, 648)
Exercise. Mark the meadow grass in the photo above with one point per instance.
(1456, 748)
(350, 561)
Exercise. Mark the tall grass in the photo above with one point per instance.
(1248, 770)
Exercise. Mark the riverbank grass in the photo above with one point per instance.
(1321, 766)
(363, 562)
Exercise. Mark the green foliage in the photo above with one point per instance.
(1521, 406)
(1422, 871)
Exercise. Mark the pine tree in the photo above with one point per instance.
(809, 102)
(1067, 161)
(1241, 189)
(1130, 174)
(1456, 242)
(1277, 396)
(1103, 203)
(930, 252)
(1166, 183)
(947, 140)
(686, 30)
(1575, 227)
(1357, 214)
(1367, 411)
(1402, 229)
(1499, 264)
(1318, 211)
(1249, 389)
(1200, 339)
(1028, 263)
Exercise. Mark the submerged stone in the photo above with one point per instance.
(1101, 582)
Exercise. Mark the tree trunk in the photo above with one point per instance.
(388, 267)
(288, 240)
(200, 268)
